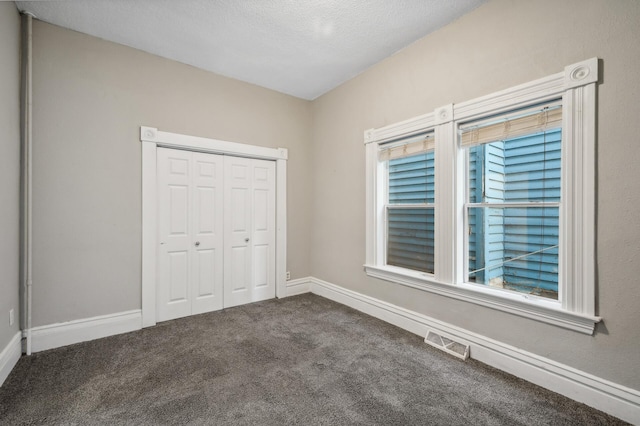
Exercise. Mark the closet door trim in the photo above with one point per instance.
(152, 139)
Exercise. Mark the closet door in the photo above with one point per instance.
(249, 263)
(263, 226)
(190, 233)
(207, 231)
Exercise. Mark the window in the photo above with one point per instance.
(513, 200)
(409, 206)
(491, 201)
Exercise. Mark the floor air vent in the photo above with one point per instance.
(450, 346)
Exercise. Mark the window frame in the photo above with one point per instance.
(575, 308)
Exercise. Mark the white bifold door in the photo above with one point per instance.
(249, 231)
(216, 226)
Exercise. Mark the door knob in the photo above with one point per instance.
(246, 240)
(197, 243)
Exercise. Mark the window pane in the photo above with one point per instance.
(515, 248)
(410, 238)
(411, 179)
(521, 169)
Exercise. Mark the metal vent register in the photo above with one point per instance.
(457, 349)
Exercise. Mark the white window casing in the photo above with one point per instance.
(575, 307)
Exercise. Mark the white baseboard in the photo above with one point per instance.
(67, 333)
(602, 394)
(9, 356)
(298, 286)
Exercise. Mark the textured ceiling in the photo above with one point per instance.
(300, 47)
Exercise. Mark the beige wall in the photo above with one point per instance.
(9, 169)
(90, 98)
(501, 44)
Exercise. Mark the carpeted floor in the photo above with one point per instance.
(302, 360)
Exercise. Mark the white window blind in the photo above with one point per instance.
(509, 127)
(407, 147)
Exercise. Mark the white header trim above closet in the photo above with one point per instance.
(214, 146)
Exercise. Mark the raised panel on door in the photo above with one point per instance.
(207, 235)
(174, 252)
(263, 231)
(237, 234)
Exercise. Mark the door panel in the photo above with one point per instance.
(190, 233)
(237, 268)
(205, 275)
(260, 210)
(178, 276)
(179, 210)
(250, 239)
(239, 208)
(238, 272)
(263, 231)
(208, 222)
(260, 266)
(205, 210)
(173, 298)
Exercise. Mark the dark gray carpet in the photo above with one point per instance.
(302, 360)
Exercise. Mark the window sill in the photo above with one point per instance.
(518, 304)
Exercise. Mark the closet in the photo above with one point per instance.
(216, 232)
